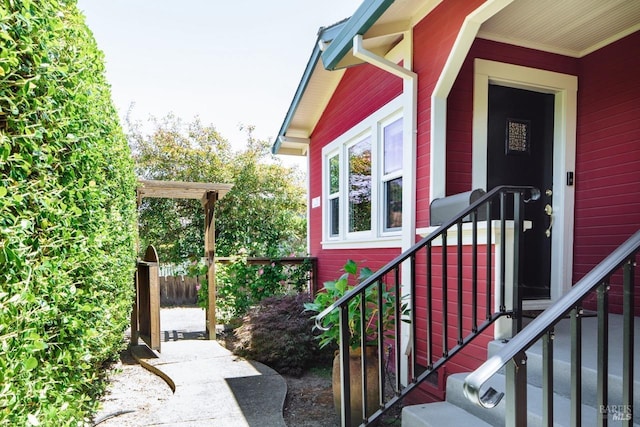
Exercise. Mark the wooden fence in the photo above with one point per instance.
(182, 290)
(313, 272)
(179, 290)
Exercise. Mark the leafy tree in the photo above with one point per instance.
(263, 215)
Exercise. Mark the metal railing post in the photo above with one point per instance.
(503, 255)
(576, 367)
(363, 358)
(429, 307)
(459, 283)
(547, 378)
(345, 382)
(516, 391)
(445, 303)
(603, 353)
(518, 237)
(627, 340)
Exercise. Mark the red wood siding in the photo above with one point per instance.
(476, 352)
(362, 91)
(433, 38)
(608, 156)
(331, 262)
(459, 130)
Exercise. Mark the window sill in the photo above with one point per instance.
(372, 243)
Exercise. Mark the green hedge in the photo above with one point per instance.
(67, 216)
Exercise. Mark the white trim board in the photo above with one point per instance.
(455, 60)
(564, 87)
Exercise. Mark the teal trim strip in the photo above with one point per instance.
(325, 34)
(366, 15)
(315, 55)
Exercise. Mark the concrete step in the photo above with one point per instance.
(458, 411)
(562, 361)
(496, 416)
(439, 414)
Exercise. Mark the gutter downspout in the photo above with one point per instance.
(409, 131)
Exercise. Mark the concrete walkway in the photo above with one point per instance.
(212, 386)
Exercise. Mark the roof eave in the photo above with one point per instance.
(324, 35)
(363, 19)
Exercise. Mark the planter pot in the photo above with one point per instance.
(355, 372)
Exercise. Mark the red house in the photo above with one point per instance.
(414, 101)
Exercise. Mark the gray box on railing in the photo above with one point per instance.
(445, 208)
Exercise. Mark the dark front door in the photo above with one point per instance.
(520, 152)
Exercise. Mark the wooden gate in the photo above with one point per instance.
(145, 319)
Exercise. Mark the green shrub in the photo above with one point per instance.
(278, 333)
(67, 216)
(241, 285)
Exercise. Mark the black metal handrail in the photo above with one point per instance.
(513, 353)
(486, 205)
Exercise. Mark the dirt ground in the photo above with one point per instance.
(133, 393)
(309, 401)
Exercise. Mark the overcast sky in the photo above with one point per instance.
(229, 62)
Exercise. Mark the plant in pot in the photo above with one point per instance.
(330, 332)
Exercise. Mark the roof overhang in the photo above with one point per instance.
(572, 28)
(383, 23)
(180, 189)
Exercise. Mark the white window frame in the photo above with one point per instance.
(332, 196)
(344, 167)
(377, 236)
(384, 178)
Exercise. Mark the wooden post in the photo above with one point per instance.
(209, 251)
(134, 312)
(134, 309)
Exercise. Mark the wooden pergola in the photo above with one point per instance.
(208, 194)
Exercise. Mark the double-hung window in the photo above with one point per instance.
(362, 183)
(392, 174)
(334, 195)
(359, 186)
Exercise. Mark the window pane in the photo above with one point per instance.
(393, 147)
(360, 186)
(334, 213)
(393, 203)
(334, 175)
